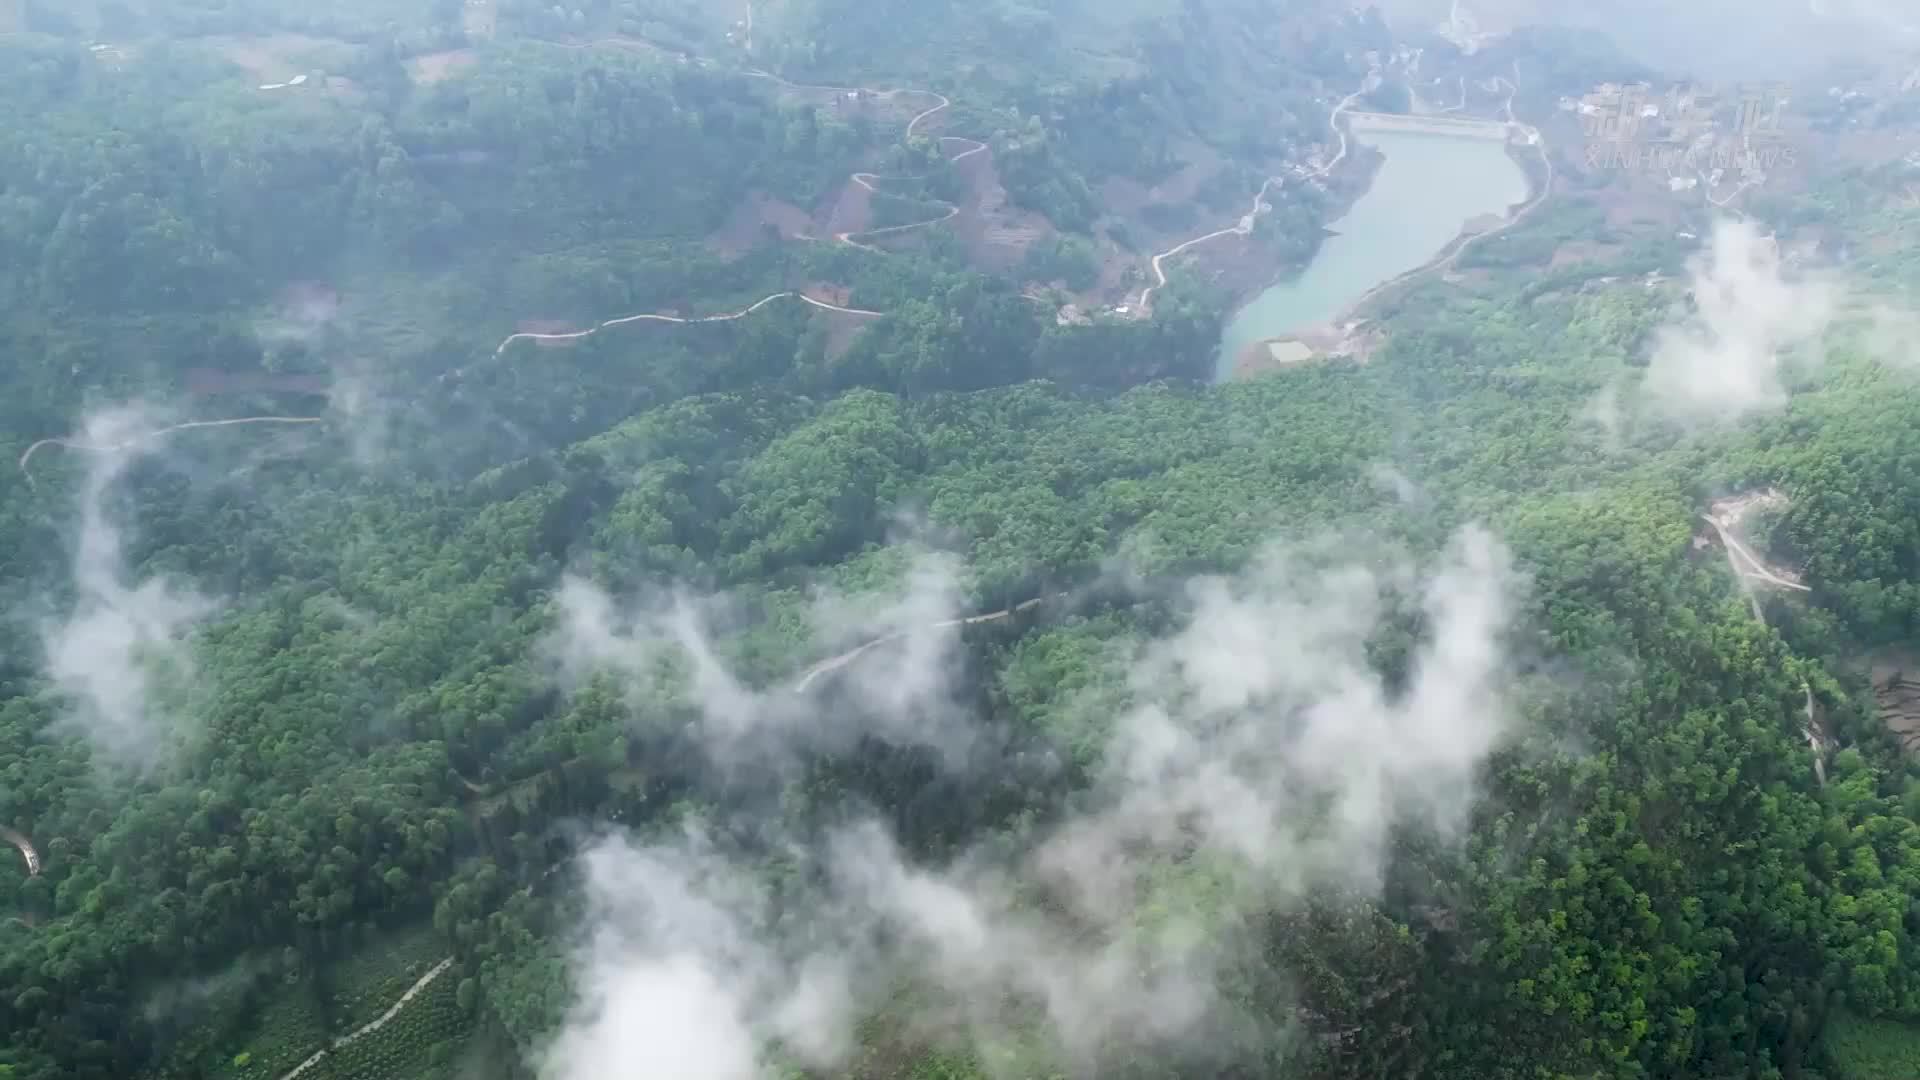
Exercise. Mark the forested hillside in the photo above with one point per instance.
(494, 595)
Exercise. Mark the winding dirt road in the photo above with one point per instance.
(1727, 203)
(1725, 517)
(867, 180)
(579, 335)
(27, 852)
(1747, 565)
(1245, 224)
(1535, 139)
(374, 1025)
(26, 459)
(835, 663)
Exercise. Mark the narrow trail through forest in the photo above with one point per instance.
(27, 850)
(1245, 224)
(1725, 517)
(835, 663)
(579, 335)
(1746, 564)
(374, 1025)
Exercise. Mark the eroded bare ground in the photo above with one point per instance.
(1895, 676)
(747, 226)
(996, 233)
(842, 326)
(851, 212)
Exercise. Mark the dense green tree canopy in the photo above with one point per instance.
(461, 604)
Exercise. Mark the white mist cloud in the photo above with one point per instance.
(1725, 360)
(122, 639)
(367, 419)
(1261, 758)
(677, 976)
(905, 697)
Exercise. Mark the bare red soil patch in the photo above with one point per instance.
(842, 327)
(852, 210)
(747, 227)
(995, 232)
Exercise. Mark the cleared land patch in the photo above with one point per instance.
(277, 58)
(430, 68)
(749, 223)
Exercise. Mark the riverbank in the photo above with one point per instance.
(1244, 227)
(1345, 333)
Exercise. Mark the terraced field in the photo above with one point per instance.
(388, 1011)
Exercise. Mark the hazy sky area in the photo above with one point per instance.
(1709, 39)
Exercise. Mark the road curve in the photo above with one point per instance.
(835, 663)
(1245, 225)
(1538, 141)
(941, 104)
(27, 851)
(867, 180)
(1745, 563)
(26, 459)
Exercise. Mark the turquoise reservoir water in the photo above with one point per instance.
(1426, 189)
